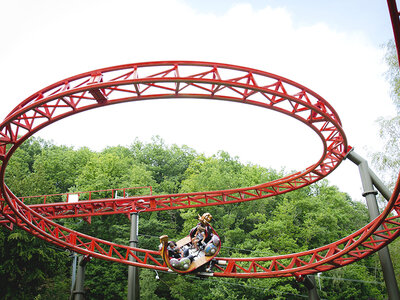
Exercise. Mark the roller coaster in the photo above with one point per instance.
(189, 80)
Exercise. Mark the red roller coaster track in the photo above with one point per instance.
(195, 80)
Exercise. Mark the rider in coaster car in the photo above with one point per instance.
(206, 231)
(199, 237)
(175, 252)
(179, 259)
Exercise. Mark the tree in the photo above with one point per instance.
(56, 168)
(168, 164)
(21, 166)
(300, 220)
(388, 161)
(30, 267)
(112, 169)
(304, 219)
(354, 281)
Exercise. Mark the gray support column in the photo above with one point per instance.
(133, 273)
(309, 282)
(73, 275)
(79, 292)
(370, 196)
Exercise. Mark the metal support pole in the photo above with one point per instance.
(79, 292)
(370, 196)
(309, 282)
(133, 272)
(73, 275)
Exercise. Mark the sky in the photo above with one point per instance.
(335, 48)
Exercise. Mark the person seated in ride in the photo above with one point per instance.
(199, 237)
(205, 220)
(173, 250)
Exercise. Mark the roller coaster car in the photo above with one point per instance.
(186, 256)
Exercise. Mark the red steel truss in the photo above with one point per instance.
(196, 80)
(394, 17)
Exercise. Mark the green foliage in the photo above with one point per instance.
(394, 248)
(148, 285)
(30, 267)
(21, 166)
(292, 222)
(355, 279)
(387, 161)
(393, 74)
(56, 169)
(223, 172)
(112, 169)
(105, 280)
(167, 163)
(39, 168)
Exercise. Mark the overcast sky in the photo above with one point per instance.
(332, 47)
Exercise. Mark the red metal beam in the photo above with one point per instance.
(164, 80)
(394, 17)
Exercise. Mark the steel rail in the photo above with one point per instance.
(180, 79)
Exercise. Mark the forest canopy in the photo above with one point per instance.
(304, 219)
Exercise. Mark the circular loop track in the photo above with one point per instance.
(180, 79)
